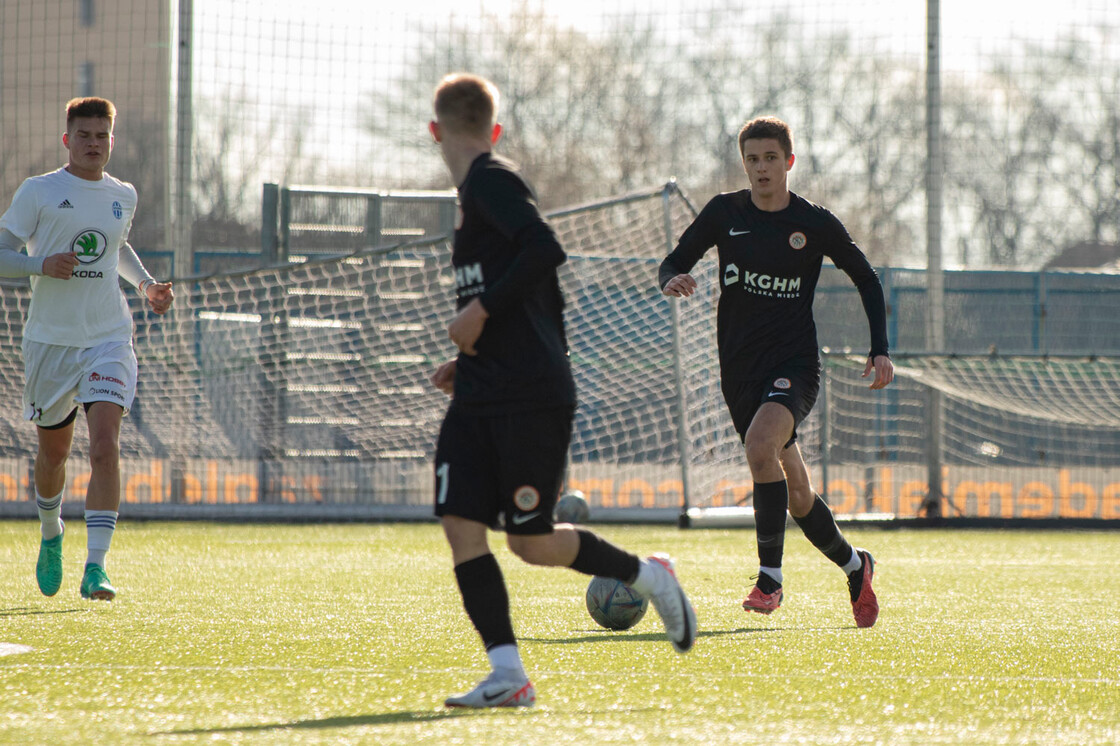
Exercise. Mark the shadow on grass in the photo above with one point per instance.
(348, 721)
(26, 611)
(620, 636)
(603, 635)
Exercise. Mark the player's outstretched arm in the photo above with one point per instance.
(680, 286)
(884, 371)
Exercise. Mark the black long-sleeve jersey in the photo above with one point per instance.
(769, 264)
(506, 255)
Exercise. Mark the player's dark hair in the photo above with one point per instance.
(90, 106)
(767, 128)
(466, 103)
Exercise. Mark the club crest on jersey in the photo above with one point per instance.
(797, 240)
(89, 245)
(782, 383)
(118, 211)
(526, 498)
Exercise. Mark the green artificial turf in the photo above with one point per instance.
(339, 634)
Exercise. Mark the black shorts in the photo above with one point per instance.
(508, 464)
(793, 384)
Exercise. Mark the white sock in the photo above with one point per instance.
(645, 585)
(50, 514)
(100, 525)
(773, 572)
(506, 657)
(853, 564)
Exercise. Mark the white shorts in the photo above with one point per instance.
(57, 379)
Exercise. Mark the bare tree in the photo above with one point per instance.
(593, 115)
(140, 157)
(856, 120)
(1093, 140)
(995, 146)
(875, 175)
(585, 117)
(233, 152)
(1039, 176)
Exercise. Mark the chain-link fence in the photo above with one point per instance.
(599, 99)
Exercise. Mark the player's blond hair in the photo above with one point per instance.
(90, 106)
(466, 104)
(767, 128)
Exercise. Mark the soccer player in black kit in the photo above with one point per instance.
(771, 244)
(504, 441)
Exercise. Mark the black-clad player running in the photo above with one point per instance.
(504, 441)
(771, 245)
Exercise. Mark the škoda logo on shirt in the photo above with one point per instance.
(89, 245)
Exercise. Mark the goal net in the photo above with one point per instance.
(301, 390)
(1019, 436)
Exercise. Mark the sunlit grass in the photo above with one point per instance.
(338, 634)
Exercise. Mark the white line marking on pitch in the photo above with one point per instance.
(11, 648)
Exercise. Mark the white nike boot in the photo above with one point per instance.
(502, 688)
(657, 581)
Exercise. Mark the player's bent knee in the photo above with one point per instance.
(524, 548)
(467, 538)
(761, 452)
(800, 504)
(536, 549)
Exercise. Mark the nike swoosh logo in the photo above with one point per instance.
(778, 393)
(495, 696)
(523, 518)
(734, 232)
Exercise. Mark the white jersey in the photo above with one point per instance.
(57, 213)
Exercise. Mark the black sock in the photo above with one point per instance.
(766, 584)
(855, 582)
(820, 528)
(486, 600)
(597, 556)
(771, 501)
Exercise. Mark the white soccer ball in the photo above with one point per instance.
(572, 507)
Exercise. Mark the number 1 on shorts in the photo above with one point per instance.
(442, 472)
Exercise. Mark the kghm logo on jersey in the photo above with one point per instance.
(730, 274)
(89, 245)
(760, 284)
(797, 240)
(118, 211)
(469, 280)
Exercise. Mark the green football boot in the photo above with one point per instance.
(95, 584)
(48, 569)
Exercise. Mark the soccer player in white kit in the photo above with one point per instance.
(77, 341)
